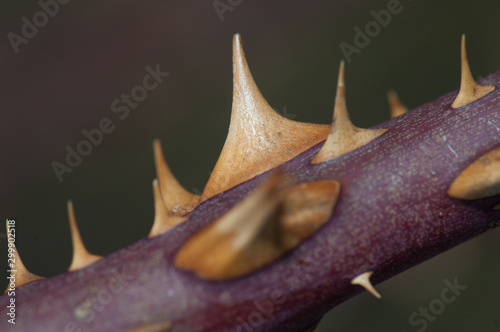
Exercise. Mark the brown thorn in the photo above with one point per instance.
(397, 108)
(470, 91)
(305, 208)
(480, 179)
(163, 220)
(259, 139)
(81, 257)
(272, 220)
(20, 273)
(242, 240)
(344, 137)
(178, 200)
(363, 280)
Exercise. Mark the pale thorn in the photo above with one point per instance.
(397, 108)
(177, 200)
(363, 280)
(163, 220)
(344, 137)
(21, 273)
(81, 257)
(470, 91)
(259, 139)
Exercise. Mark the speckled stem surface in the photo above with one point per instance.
(393, 213)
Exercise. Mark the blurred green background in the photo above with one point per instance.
(64, 79)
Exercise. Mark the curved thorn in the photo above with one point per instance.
(363, 280)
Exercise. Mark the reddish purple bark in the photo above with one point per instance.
(393, 213)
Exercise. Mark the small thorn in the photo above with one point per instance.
(480, 179)
(259, 139)
(81, 257)
(163, 220)
(344, 137)
(396, 106)
(22, 275)
(470, 91)
(496, 207)
(178, 200)
(363, 280)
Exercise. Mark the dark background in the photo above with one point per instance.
(66, 77)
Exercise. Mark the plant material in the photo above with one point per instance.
(294, 219)
(344, 137)
(480, 179)
(21, 274)
(259, 139)
(81, 257)
(262, 228)
(470, 91)
(397, 108)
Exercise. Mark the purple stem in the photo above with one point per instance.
(393, 213)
